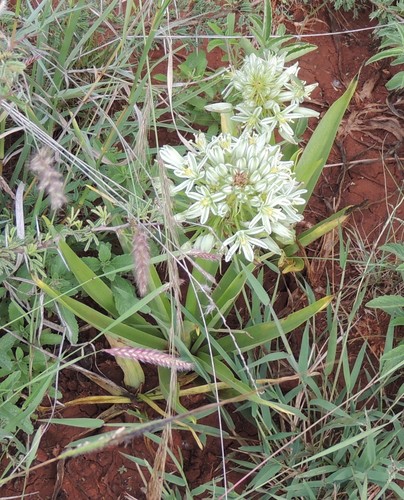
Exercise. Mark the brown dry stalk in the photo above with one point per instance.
(141, 255)
(151, 356)
(49, 179)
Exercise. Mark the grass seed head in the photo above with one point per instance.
(49, 179)
(3, 6)
(141, 254)
(151, 356)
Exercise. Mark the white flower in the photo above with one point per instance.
(205, 242)
(243, 189)
(200, 142)
(171, 158)
(271, 94)
(250, 117)
(186, 168)
(219, 107)
(259, 81)
(206, 203)
(270, 212)
(282, 117)
(243, 242)
(297, 91)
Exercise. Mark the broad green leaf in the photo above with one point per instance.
(7, 341)
(395, 52)
(299, 51)
(135, 336)
(104, 252)
(315, 154)
(388, 303)
(133, 373)
(90, 282)
(267, 21)
(95, 286)
(320, 229)
(256, 287)
(397, 82)
(124, 293)
(291, 264)
(227, 291)
(160, 304)
(257, 335)
(393, 360)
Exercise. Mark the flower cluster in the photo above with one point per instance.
(239, 192)
(240, 189)
(271, 94)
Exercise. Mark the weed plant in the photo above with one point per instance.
(86, 230)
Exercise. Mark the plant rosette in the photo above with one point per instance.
(241, 192)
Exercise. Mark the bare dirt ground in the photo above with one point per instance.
(365, 171)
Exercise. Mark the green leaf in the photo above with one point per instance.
(86, 423)
(104, 252)
(134, 336)
(15, 314)
(92, 262)
(223, 373)
(320, 229)
(195, 64)
(227, 291)
(299, 51)
(315, 154)
(7, 341)
(397, 82)
(344, 444)
(165, 387)
(396, 248)
(196, 299)
(257, 335)
(394, 359)
(51, 338)
(133, 373)
(72, 330)
(90, 282)
(388, 303)
(95, 286)
(396, 51)
(124, 294)
(160, 305)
